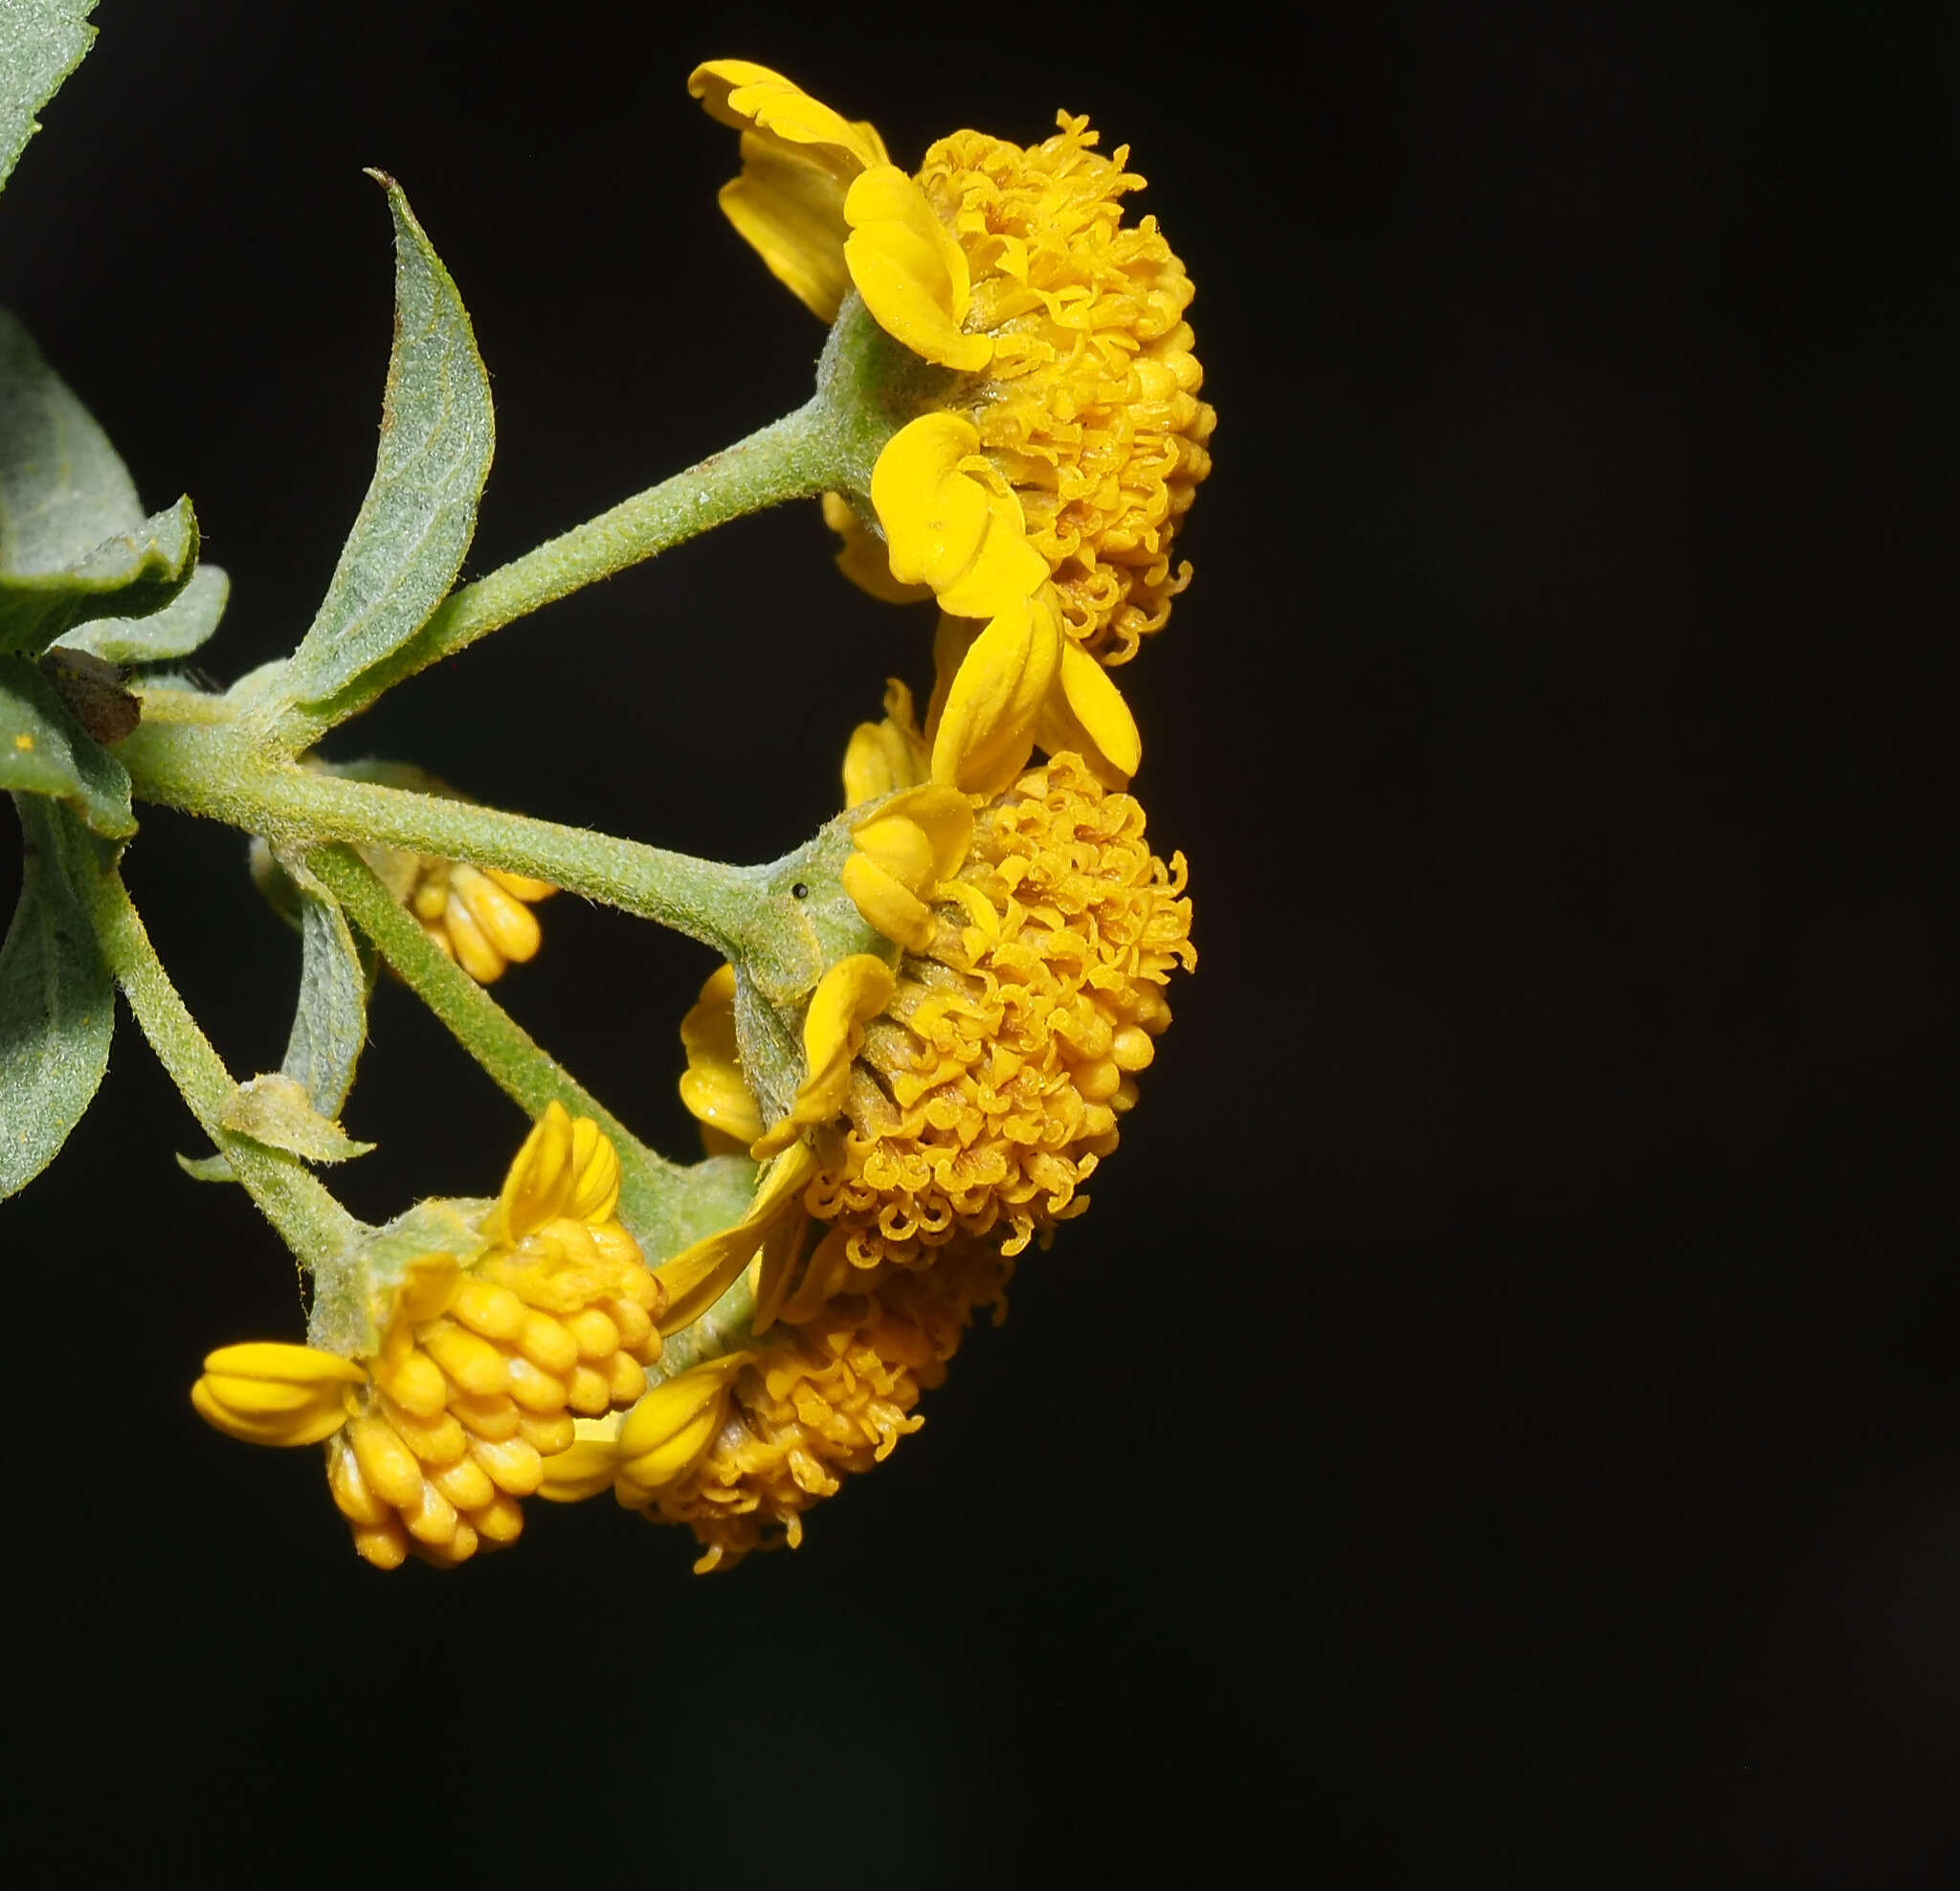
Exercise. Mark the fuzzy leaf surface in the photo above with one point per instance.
(58, 1006)
(183, 625)
(44, 752)
(417, 522)
(274, 1110)
(42, 42)
(73, 543)
(330, 1023)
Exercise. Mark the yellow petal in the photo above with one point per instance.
(564, 1168)
(537, 1173)
(789, 208)
(267, 1393)
(291, 1365)
(910, 270)
(886, 906)
(947, 821)
(987, 730)
(594, 1190)
(739, 93)
(1087, 713)
(900, 858)
(888, 755)
(862, 555)
(472, 946)
(853, 990)
(1006, 566)
(587, 1465)
(934, 516)
(698, 1276)
(773, 1268)
(950, 521)
(713, 1086)
(899, 847)
(507, 924)
(521, 885)
(671, 1429)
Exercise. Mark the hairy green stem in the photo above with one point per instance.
(309, 1220)
(515, 1062)
(223, 775)
(793, 458)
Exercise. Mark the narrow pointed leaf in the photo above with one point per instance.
(183, 625)
(42, 42)
(330, 1024)
(43, 750)
(415, 524)
(58, 1006)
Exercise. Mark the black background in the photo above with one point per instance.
(1500, 1423)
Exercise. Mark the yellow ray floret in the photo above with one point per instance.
(480, 1370)
(903, 854)
(950, 521)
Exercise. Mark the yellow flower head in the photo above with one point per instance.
(481, 1365)
(1077, 431)
(739, 1447)
(971, 1092)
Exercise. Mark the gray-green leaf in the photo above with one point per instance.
(330, 1023)
(73, 543)
(182, 626)
(58, 1006)
(274, 1110)
(128, 576)
(42, 42)
(43, 750)
(415, 524)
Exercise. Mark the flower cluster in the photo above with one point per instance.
(480, 1367)
(1053, 469)
(971, 1090)
(931, 1076)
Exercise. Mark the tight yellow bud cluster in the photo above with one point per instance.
(481, 1367)
(481, 917)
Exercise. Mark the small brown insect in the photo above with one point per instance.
(94, 693)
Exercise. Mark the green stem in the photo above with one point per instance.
(309, 1220)
(793, 458)
(223, 775)
(516, 1063)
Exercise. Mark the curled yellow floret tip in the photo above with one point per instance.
(480, 1369)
